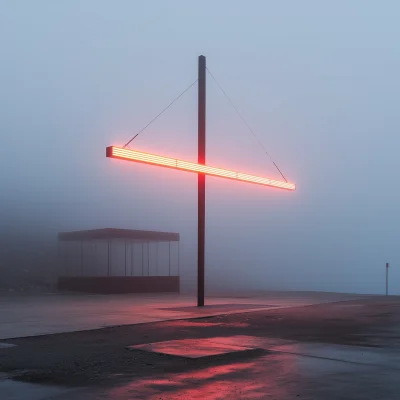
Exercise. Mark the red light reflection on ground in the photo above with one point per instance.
(246, 380)
(191, 324)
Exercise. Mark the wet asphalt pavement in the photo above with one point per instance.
(342, 350)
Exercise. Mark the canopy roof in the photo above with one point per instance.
(118, 234)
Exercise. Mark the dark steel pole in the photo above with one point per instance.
(387, 279)
(201, 217)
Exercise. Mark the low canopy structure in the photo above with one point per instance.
(128, 235)
(114, 260)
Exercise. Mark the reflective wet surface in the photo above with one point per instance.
(351, 354)
(194, 348)
(11, 390)
(6, 345)
(275, 376)
(54, 313)
(325, 351)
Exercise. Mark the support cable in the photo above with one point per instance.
(159, 114)
(245, 122)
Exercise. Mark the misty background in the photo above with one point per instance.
(317, 81)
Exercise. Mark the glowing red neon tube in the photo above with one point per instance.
(152, 159)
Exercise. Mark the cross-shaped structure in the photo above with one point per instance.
(201, 169)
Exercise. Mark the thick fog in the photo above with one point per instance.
(317, 81)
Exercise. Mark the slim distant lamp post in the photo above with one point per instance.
(201, 169)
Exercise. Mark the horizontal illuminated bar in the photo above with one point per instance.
(138, 156)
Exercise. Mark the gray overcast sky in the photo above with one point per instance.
(317, 80)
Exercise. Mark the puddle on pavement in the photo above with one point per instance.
(14, 390)
(6, 345)
(196, 348)
(349, 354)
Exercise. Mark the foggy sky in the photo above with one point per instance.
(317, 81)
